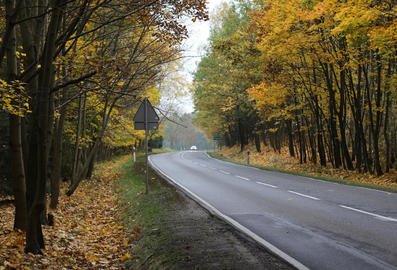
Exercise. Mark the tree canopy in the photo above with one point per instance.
(318, 77)
(72, 74)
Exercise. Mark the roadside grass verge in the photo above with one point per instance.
(282, 164)
(161, 150)
(143, 215)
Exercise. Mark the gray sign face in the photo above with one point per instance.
(141, 126)
(152, 117)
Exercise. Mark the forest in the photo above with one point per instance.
(317, 78)
(182, 134)
(72, 75)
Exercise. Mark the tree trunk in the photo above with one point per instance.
(388, 103)
(241, 135)
(257, 142)
(320, 143)
(91, 164)
(312, 141)
(385, 132)
(84, 170)
(77, 150)
(300, 141)
(356, 105)
(375, 123)
(342, 121)
(39, 135)
(92, 154)
(57, 159)
(17, 170)
(337, 162)
(290, 138)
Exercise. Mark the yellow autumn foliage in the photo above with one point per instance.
(268, 96)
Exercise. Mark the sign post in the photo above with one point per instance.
(146, 119)
(216, 139)
(146, 147)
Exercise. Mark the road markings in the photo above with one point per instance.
(295, 263)
(369, 213)
(246, 179)
(388, 193)
(204, 166)
(304, 195)
(268, 185)
(224, 172)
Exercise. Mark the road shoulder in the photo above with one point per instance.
(177, 233)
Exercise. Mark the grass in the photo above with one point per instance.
(161, 150)
(143, 214)
(141, 207)
(234, 159)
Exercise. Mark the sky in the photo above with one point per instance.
(194, 47)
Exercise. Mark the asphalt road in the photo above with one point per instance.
(320, 224)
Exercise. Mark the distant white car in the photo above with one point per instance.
(193, 147)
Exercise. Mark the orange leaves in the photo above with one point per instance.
(87, 231)
(384, 37)
(269, 97)
(270, 159)
(125, 257)
(272, 94)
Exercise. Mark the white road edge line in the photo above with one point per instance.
(304, 195)
(224, 172)
(305, 177)
(246, 179)
(268, 185)
(369, 213)
(295, 263)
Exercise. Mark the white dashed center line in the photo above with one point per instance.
(304, 195)
(204, 166)
(224, 172)
(369, 213)
(268, 185)
(243, 178)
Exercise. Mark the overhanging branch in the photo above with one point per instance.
(77, 80)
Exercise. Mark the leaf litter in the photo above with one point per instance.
(282, 161)
(88, 231)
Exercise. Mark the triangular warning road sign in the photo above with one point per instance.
(152, 117)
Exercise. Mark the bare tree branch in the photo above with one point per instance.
(74, 81)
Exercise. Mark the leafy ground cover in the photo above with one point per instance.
(88, 233)
(270, 160)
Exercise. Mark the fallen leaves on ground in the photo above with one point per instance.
(87, 234)
(270, 159)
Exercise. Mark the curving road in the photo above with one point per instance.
(311, 223)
